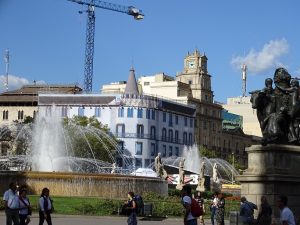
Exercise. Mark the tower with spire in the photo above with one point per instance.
(131, 88)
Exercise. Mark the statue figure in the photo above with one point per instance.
(113, 170)
(215, 173)
(201, 178)
(278, 109)
(159, 167)
(181, 175)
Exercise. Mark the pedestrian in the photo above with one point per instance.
(200, 201)
(247, 211)
(25, 208)
(286, 215)
(265, 212)
(11, 204)
(45, 207)
(220, 212)
(131, 209)
(213, 208)
(186, 194)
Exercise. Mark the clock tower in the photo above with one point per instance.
(196, 75)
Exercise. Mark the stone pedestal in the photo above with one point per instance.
(273, 170)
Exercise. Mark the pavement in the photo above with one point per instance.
(105, 220)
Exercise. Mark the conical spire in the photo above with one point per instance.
(131, 86)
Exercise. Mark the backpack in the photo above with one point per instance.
(139, 204)
(196, 210)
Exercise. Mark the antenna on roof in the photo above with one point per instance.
(6, 60)
(244, 79)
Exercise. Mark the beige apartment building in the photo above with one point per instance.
(193, 86)
(242, 106)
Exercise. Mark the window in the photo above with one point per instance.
(176, 119)
(153, 114)
(176, 136)
(164, 134)
(140, 113)
(153, 149)
(121, 112)
(152, 132)
(191, 122)
(190, 82)
(64, 111)
(184, 138)
(138, 148)
(97, 111)
(120, 130)
(5, 115)
(164, 150)
(138, 163)
(171, 135)
(214, 127)
(170, 150)
(147, 162)
(170, 120)
(81, 111)
(204, 125)
(190, 138)
(20, 115)
(185, 121)
(164, 116)
(34, 114)
(140, 131)
(147, 113)
(146, 83)
(129, 112)
(177, 151)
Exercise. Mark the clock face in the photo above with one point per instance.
(191, 64)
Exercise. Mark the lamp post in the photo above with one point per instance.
(232, 181)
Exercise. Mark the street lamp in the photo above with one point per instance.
(232, 181)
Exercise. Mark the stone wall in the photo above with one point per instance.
(273, 170)
(77, 184)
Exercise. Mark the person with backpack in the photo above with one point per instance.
(187, 201)
(46, 207)
(131, 207)
(200, 201)
(247, 211)
(25, 208)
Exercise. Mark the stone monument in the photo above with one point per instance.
(274, 166)
(201, 178)
(159, 167)
(216, 185)
(181, 175)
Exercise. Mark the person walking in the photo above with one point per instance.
(247, 211)
(11, 204)
(45, 207)
(131, 209)
(25, 208)
(200, 201)
(213, 208)
(286, 215)
(265, 212)
(220, 212)
(186, 194)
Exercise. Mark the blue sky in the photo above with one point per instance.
(46, 40)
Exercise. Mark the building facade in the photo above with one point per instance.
(146, 125)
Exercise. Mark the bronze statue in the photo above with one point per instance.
(278, 109)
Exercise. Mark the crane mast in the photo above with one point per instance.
(90, 33)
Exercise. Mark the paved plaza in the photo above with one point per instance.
(96, 220)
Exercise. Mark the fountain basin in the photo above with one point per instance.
(84, 184)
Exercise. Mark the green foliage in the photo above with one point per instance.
(28, 119)
(83, 144)
(204, 152)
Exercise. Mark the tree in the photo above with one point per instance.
(204, 152)
(91, 139)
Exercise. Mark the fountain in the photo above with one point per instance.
(61, 157)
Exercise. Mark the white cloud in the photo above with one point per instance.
(266, 58)
(14, 82)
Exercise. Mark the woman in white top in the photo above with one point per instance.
(25, 209)
(45, 205)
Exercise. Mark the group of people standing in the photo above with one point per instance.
(18, 208)
(217, 208)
